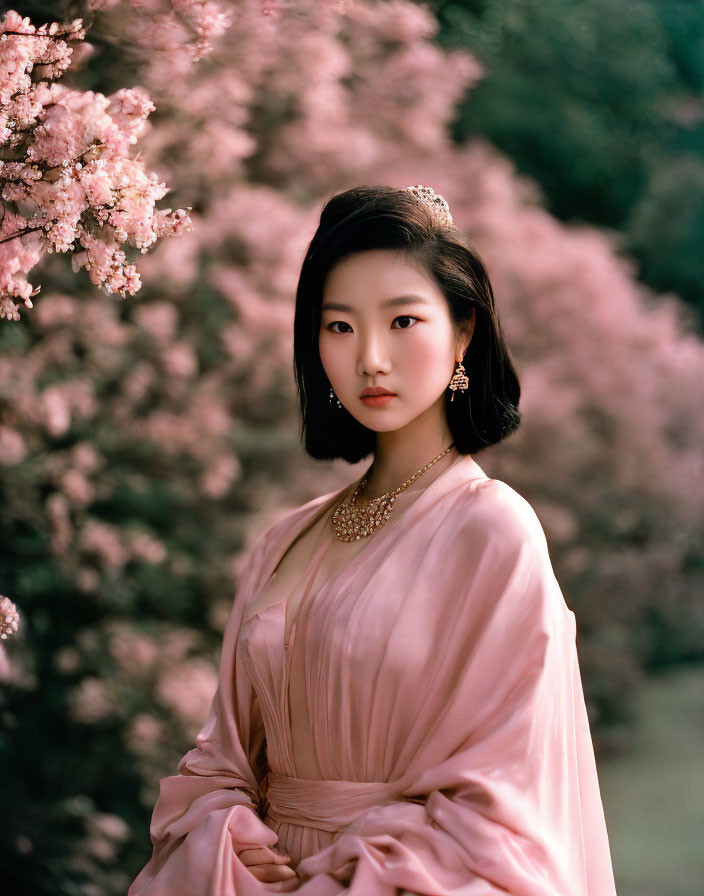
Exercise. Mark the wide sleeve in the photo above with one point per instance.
(207, 812)
(511, 801)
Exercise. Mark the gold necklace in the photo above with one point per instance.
(353, 520)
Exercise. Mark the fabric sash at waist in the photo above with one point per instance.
(327, 805)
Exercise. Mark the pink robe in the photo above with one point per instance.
(446, 709)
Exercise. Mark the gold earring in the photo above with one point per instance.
(459, 380)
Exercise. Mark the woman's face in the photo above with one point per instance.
(386, 324)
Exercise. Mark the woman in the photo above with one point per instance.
(399, 707)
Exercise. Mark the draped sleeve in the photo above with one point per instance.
(507, 770)
(207, 812)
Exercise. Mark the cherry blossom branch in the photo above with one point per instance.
(24, 232)
(75, 179)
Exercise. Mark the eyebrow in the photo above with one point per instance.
(387, 303)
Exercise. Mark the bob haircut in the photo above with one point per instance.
(382, 217)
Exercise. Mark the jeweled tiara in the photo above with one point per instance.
(436, 202)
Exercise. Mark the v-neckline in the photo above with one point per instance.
(373, 543)
(379, 538)
(322, 545)
(308, 578)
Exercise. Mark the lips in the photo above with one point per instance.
(372, 392)
(378, 399)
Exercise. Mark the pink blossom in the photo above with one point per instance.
(103, 541)
(138, 381)
(76, 169)
(17, 673)
(61, 526)
(9, 617)
(187, 689)
(86, 579)
(170, 430)
(86, 458)
(144, 546)
(134, 653)
(77, 488)
(93, 701)
(55, 311)
(218, 478)
(99, 847)
(47, 47)
(180, 360)
(64, 401)
(219, 613)
(173, 264)
(177, 643)
(144, 733)
(16, 258)
(12, 446)
(67, 127)
(108, 825)
(96, 184)
(57, 410)
(129, 109)
(67, 660)
(160, 319)
(183, 29)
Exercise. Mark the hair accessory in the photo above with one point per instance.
(355, 519)
(459, 380)
(437, 203)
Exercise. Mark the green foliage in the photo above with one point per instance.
(602, 105)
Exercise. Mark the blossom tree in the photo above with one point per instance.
(65, 160)
(144, 442)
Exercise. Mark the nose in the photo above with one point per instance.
(373, 357)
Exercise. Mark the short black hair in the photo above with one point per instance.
(382, 217)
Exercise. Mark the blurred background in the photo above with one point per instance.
(146, 442)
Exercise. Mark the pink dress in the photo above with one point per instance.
(437, 690)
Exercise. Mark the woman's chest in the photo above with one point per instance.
(315, 558)
(350, 610)
(371, 592)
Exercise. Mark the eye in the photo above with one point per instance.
(330, 326)
(405, 317)
(343, 323)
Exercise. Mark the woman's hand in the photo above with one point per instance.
(268, 865)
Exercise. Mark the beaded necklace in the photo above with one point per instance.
(355, 519)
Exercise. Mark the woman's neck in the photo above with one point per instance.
(389, 472)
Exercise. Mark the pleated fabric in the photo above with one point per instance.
(445, 712)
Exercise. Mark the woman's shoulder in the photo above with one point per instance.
(494, 508)
(499, 524)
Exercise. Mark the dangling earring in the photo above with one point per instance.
(459, 380)
(332, 398)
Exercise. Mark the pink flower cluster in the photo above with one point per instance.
(9, 618)
(66, 169)
(166, 25)
(274, 7)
